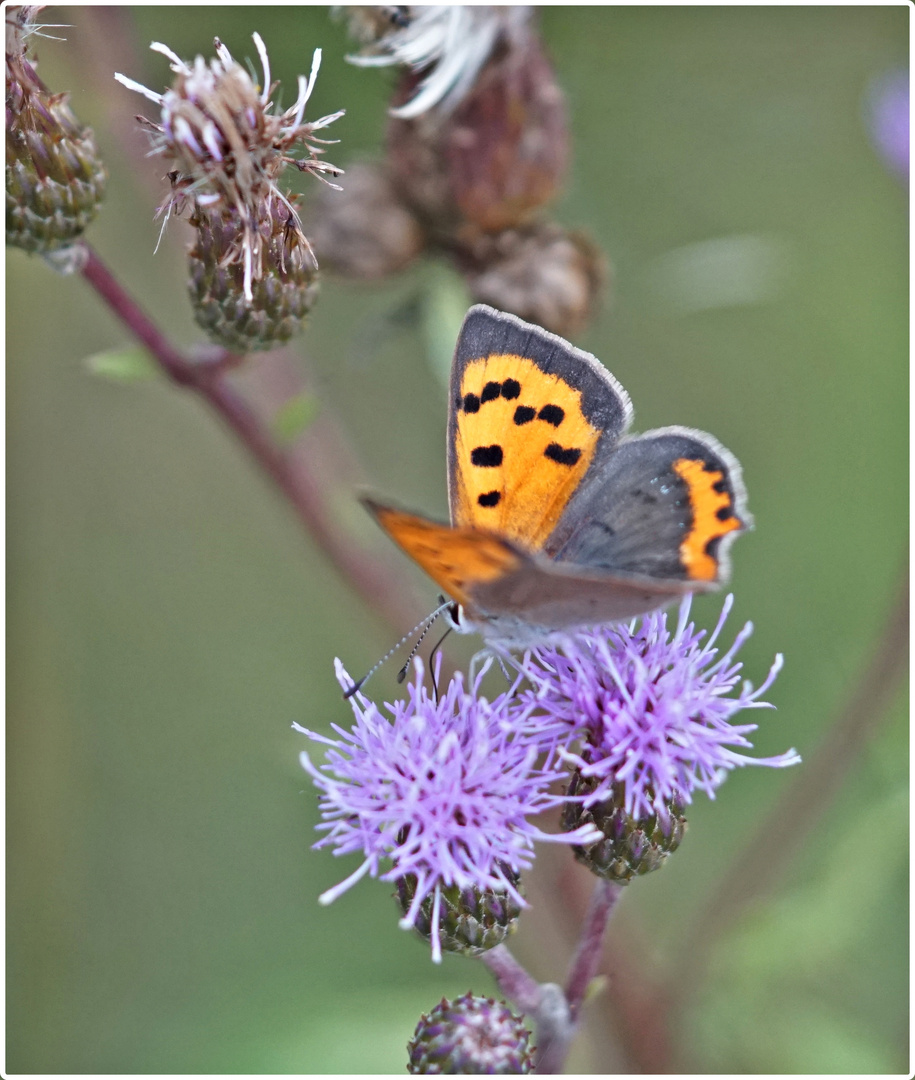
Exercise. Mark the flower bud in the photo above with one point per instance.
(631, 846)
(283, 287)
(55, 179)
(541, 273)
(364, 231)
(470, 1035)
(496, 159)
(471, 920)
(369, 24)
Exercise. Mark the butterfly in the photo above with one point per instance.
(560, 519)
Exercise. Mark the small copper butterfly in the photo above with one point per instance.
(559, 518)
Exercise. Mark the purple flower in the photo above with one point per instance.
(442, 790)
(652, 709)
(888, 119)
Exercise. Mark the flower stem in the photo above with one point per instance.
(544, 1003)
(588, 954)
(377, 586)
(513, 979)
(556, 1012)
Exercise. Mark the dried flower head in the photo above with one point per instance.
(370, 23)
(21, 25)
(498, 156)
(365, 231)
(446, 45)
(55, 178)
(443, 791)
(652, 709)
(542, 272)
(227, 144)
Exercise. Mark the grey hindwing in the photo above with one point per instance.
(632, 511)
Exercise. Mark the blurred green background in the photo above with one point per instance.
(167, 620)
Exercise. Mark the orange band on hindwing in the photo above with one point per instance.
(522, 447)
(713, 517)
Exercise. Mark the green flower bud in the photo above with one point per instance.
(280, 292)
(631, 846)
(471, 921)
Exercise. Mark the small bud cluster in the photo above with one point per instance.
(471, 920)
(471, 1035)
(252, 269)
(629, 846)
(55, 179)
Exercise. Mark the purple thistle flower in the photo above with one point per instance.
(652, 708)
(888, 119)
(443, 790)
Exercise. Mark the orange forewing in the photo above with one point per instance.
(523, 495)
(455, 558)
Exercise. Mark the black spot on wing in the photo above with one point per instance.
(471, 403)
(487, 457)
(724, 513)
(562, 455)
(491, 391)
(511, 389)
(524, 414)
(552, 414)
(489, 498)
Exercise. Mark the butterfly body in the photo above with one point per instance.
(559, 519)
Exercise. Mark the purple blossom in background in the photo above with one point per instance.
(651, 707)
(442, 790)
(888, 119)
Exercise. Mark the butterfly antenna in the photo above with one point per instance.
(402, 674)
(421, 626)
(434, 650)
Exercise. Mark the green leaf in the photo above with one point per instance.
(294, 416)
(445, 301)
(131, 364)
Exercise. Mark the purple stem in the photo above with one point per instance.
(513, 979)
(590, 945)
(554, 1012)
(381, 591)
(544, 1003)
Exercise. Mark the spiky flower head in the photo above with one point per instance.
(445, 46)
(227, 143)
(654, 710)
(470, 1034)
(443, 790)
(55, 179)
